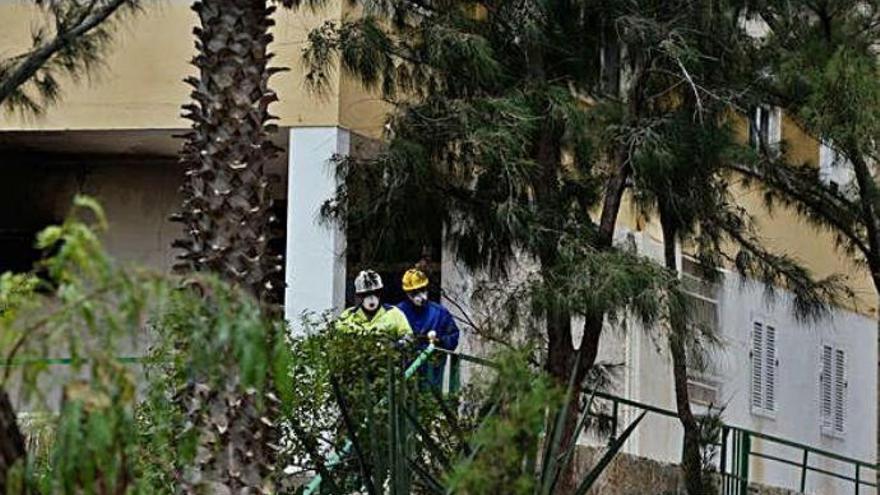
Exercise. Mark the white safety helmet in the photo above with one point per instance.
(367, 281)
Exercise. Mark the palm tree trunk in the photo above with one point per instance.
(12, 445)
(696, 481)
(226, 209)
(226, 217)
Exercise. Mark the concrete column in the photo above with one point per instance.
(315, 257)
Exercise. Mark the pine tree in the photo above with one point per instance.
(70, 42)
(513, 121)
(683, 175)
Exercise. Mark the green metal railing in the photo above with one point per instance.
(736, 443)
(59, 361)
(737, 450)
(337, 456)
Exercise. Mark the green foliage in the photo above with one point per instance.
(507, 442)
(70, 41)
(86, 311)
(83, 309)
(502, 435)
(823, 69)
(351, 388)
(215, 362)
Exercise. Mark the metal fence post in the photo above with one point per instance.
(454, 373)
(723, 463)
(804, 470)
(745, 450)
(614, 407)
(858, 480)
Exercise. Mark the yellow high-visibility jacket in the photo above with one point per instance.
(388, 320)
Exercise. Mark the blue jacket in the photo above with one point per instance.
(432, 317)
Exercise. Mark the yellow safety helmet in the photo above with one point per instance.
(414, 279)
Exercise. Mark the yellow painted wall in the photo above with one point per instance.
(360, 109)
(140, 86)
(783, 231)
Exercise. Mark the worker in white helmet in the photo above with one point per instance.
(370, 316)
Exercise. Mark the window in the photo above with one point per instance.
(703, 386)
(764, 126)
(832, 390)
(835, 170)
(764, 368)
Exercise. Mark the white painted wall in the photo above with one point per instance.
(797, 416)
(647, 377)
(138, 197)
(315, 258)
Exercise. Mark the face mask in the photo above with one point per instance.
(419, 298)
(371, 303)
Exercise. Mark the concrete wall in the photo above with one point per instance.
(797, 416)
(634, 475)
(138, 197)
(140, 84)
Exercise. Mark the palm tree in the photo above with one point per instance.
(226, 208)
(226, 217)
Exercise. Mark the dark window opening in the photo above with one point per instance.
(17, 250)
(759, 126)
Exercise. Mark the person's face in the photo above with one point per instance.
(370, 301)
(418, 297)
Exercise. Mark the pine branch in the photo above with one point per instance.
(827, 208)
(27, 65)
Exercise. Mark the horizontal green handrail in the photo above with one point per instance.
(766, 437)
(756, 434)
(63, 361)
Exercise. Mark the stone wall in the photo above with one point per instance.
(632, 475)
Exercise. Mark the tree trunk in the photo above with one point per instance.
(226, 203)
(696, 481)
(226, 215)
(12, 445)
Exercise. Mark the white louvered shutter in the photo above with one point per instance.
(757, 366)
(839, 391)
(770, 361)
(826, 385)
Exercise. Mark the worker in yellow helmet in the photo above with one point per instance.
(370, 316)
(430, 322)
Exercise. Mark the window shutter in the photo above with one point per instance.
(757, 366)
(839, 391)
(769, 368)
(825, 386)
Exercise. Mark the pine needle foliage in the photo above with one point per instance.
(70, 42)
(515, 127)
(822, 70)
